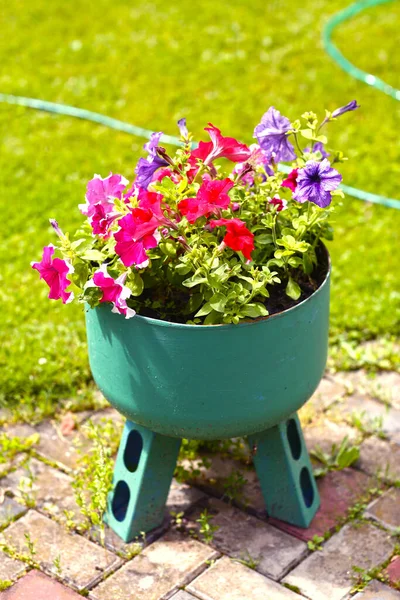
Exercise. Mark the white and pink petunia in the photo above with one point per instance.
(54, 271)
(113, 290)
(104, 192)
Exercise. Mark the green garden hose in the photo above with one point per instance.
(347, 66)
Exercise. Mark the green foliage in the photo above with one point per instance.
(93, 479)
(315, 543)
(12, 445)
(340, 457)
(47, 158)
(207, 529)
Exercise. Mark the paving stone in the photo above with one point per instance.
(393, 570)
(182, 595)
(181, 496)
(229, 580)
(58, 448)
(161, 569)
(386, 509)
(21, 430)
(38, 586)
(373, 414)
(327, 433)
(9, 509)
(82, 562)
(108, 414)
(49, 488)
(329, 390)
(245, 537)
(327, 574)
(388, 383)
(380, 457)
(10, 568)
(339, 490)
(377, 591)
(215, 481)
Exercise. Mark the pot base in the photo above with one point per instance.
(146, 462)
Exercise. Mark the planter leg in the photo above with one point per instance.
(285, 473)
(142, 477)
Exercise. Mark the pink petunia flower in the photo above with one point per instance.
(211, 198)
(54, 272)
(137, 233)
(103, 191)
(237, 236)
(114, 291)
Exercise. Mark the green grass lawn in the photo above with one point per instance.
(149, 63)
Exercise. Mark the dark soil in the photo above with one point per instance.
(279, 301)
(173, 309)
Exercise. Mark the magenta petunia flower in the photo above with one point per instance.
(291, 180)
(219, 147)
(279, 203)
(54, 272)
(315, 182)
(101, 220)
(103, 191)
(146, 167)
(114, 291)
(137, 233)
(271, 134)
(211, 198)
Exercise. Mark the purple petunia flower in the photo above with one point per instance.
(344, 109)
(183, 130)
(318, 147)
(146, 168)
(315, 182)
(271, 134)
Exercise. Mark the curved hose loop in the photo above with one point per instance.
(347, 66)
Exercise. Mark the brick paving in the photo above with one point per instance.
(250, 557)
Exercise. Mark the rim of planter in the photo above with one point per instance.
(247, 323)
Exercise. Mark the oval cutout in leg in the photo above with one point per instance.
(306, 487)
(120, 500)
(293, 436)
(133, 450)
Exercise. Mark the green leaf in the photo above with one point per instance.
(294, 261)
(307, 264)
(218, 302)
(195, 280)
(293, 289)
(205, 310)
(183, 269)
(213, 318)
(307, 133)
(263, 239)
(135, 283)
(322, 138)
(254, 310)
(95, 255)
(193, 304)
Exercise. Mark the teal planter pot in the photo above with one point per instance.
(210, 382)
(174, 381)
